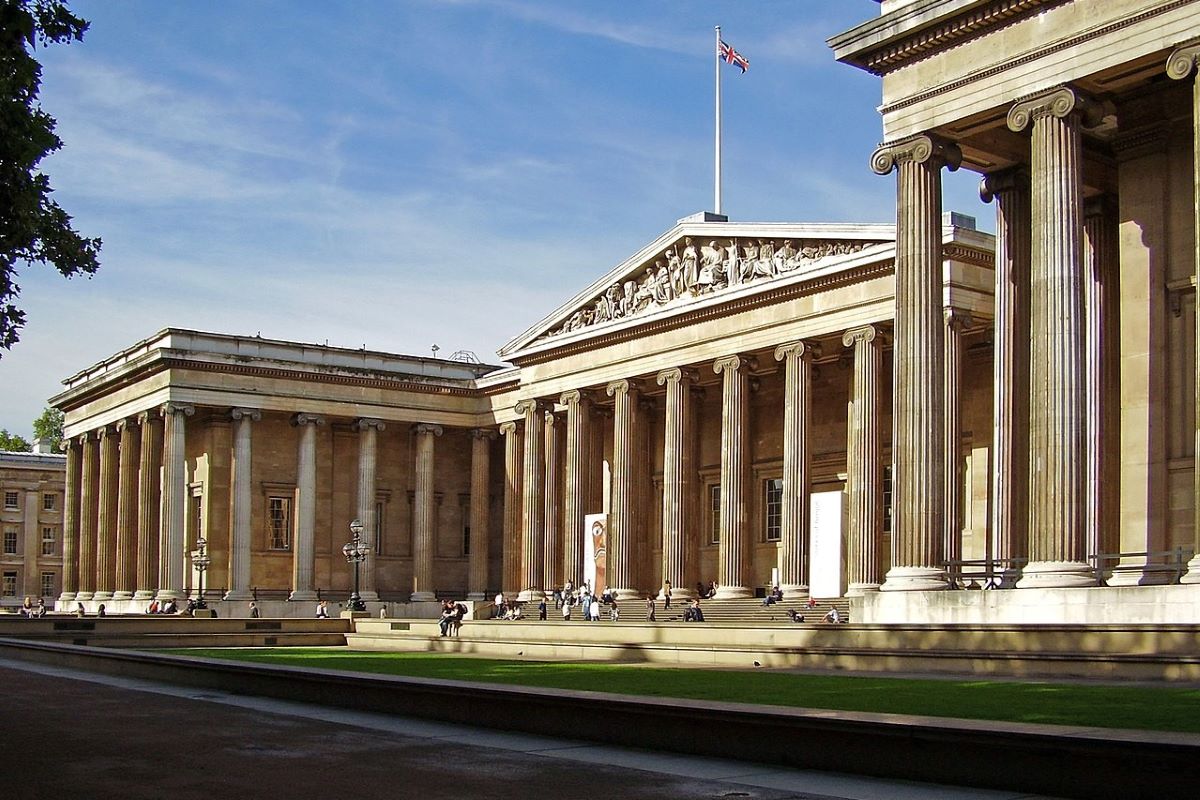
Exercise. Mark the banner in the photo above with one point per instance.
(595, 551)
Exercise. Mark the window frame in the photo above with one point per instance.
(15, 539)
(771, 485)
(49, 501)
(287, 529)
(47, 587)
(15, 497)
(49, 536)
(8, 584)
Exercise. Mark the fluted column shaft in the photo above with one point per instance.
(576, 486)
(240, 532)
(174, 501)
(88, 510)
(864, 478)
(679, 470)
(368, 444)
(303, 549)
(127, 512)
(796, 510)
(1057, 425)
(1184, 63)
(477, 564)
(1010, 369)
(619, 569)
(552, 546)
(423, 514)
(511, 557)
(918, 441)
(956, 321)
(70, 545)
(106, 520)
(532, 500)
(732, 550)
(149, 504)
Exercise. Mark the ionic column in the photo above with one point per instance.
(577, 482)
(797, 358)
(679, 490)
(918, 442)
(956, 321)
(149, 504)
(1058, 379)
(619, 571)
(511, 563)
(532, 501)
(864, 478)
(127, 486)
(552, 547)
(423, 514)
(243, 496)
(174, 500)
(734, 521)
(106, 521)
(477, 565)
(88, 510)
(1010, 369)
(368, 430)
(1183, 63)
(70, 545)
(303, 549)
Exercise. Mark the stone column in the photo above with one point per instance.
(511, 564)
(552, 547)
(956, 321)
(106, 520)
(1057, 426)
(149, 504)
(532, 501)
(1183, 63)
(481, 461)
(576, 487)
(864, 470)
(70, 546)
(424, 535)
(368, 434)
(1010, 369)
(679, 482)
(174, 500)
(734, 515)
(88, 510)
(619, 572)
(918, 440)
(243, 496)
(127, 512)
(797, 358)
(303, 548)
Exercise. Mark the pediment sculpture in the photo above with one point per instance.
(684, 272)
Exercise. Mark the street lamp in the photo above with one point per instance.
(200, 562)
(356, 553)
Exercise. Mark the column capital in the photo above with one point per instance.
(530, 407)
(252, 414)
(864, 334)
(676, 375)
(1059, 102)
(365, 423)
(126, 422)
(623, 386)
(308, 419)
(146, 417)
(996, 183)
(1183, 61)
(427, 429)
(956, 318)
(574, 397)
(734, 363)
(917, 149)
(186, 409)
(483, 433)
(798, 349)
(508, 428)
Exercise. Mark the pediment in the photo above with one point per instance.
(698, 263)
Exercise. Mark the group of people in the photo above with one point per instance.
(30, 610)
(451, 617)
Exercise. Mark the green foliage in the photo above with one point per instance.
(49, 428)
(13, 443)
(33, 228)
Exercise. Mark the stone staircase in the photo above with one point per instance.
(146, 632)
(749, 611)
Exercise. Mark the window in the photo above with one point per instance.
(49, 539)
(773, 508)
(49, 501)
(10, 501)
(379, 527)
(48, 584)
(279, 523)
(8, 588)
(466, 540)
(887, 499)
(714, 506)
(10, 541)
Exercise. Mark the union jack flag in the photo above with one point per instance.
(731, 56)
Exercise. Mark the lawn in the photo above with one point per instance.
(1161, 708)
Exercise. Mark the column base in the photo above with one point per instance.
(678, 596)
(368, 595)
(302, 595)
(122, 595)
(794, 591)
(422, 597)
(238, 594)
(530, 596)
(102, 597)
(143, 594)
(475, 596)
(84, 595)
(66, 597)
(1191, 576)
(1056, 575)
(859, 589)
(915, 579)
(733, 593)
(170, 594)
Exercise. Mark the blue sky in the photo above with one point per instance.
(403, 174)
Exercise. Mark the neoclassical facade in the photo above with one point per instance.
(704, 395)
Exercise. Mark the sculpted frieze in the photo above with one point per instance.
(686, 271)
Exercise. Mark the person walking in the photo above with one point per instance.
(650, 609)
(666, 595)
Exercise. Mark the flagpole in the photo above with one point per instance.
(717, 137)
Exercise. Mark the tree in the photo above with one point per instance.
(33, 228)
(13, 443)
(49, 428)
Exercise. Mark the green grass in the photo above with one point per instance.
(1157, 708)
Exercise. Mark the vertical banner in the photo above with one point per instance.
(595, 551)
(825, 548)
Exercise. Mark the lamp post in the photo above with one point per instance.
(356, 553)
(200, 562)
